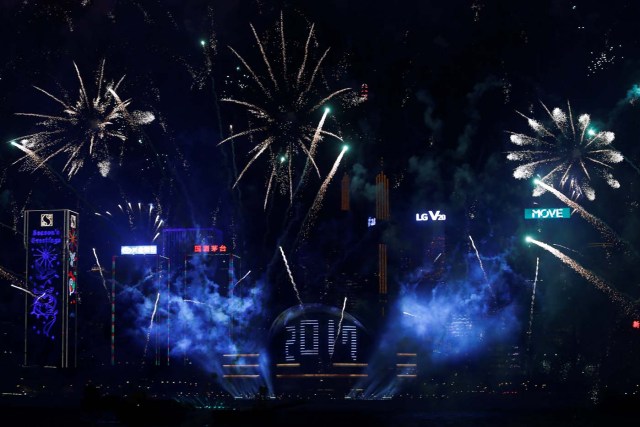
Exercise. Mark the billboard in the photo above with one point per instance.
(547, 213)
(51, 242)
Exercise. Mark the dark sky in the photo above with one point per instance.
(445, 82)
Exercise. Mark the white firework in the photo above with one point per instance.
(568, 152)
(93, 127)
(285, 105)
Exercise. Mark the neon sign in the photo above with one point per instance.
(304, 339)
(139, 250)
(547, 213)
(209, 248)
(431, 215)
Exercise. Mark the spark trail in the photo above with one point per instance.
(317, 203)
(104, 283)
(25, 290)
(314, 146)
(484, 273)
(295, 288)
(599, 225)
(533, 299)
(10, 276)
(569, 249)
(613, 295)
(242, 278)
(344, 305)
(192, 301)
(153, 315)
(37, 297)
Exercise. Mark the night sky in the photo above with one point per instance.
(447, 84)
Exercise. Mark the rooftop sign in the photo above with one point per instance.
(139, 250)
(547, 213)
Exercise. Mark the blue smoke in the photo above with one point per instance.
(448, 321)
(215, 327)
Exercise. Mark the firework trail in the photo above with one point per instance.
(153, 315)
(242, 278)
(314, 146)
(599, 225)
(317, 203)
(197, 302)
(406, 313)
(34, 159)
(84, 129)
(283, 103)
(569, 152)
(24, 290)
(484, 273)
(101, 275)
(37, 297)
(295, 288)
(613, 295)
(569, 249)
(533, 299)
(344, 305)
(10, 276)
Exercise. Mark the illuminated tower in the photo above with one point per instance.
(51, 300)
(382, 197)
(346, 183)
(382, 214)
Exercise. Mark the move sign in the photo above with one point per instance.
(547, 213)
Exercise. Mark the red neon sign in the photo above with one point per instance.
(636, 324)
(210, 248)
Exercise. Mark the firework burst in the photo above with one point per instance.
(284, 106)
(141, 222)
(569, 152)
(88, 128)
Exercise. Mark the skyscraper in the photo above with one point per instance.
(51, 297)
(382, 214)
(382, 197)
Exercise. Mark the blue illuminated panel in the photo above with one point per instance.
(51, 241)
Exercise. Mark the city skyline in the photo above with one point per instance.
(427, 191)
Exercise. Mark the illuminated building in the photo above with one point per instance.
(178, 243)
(382, 214)
(424, 254)
(208, 272)
(135, 278)
(51, 300)
(382, 197)
(204, 263)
